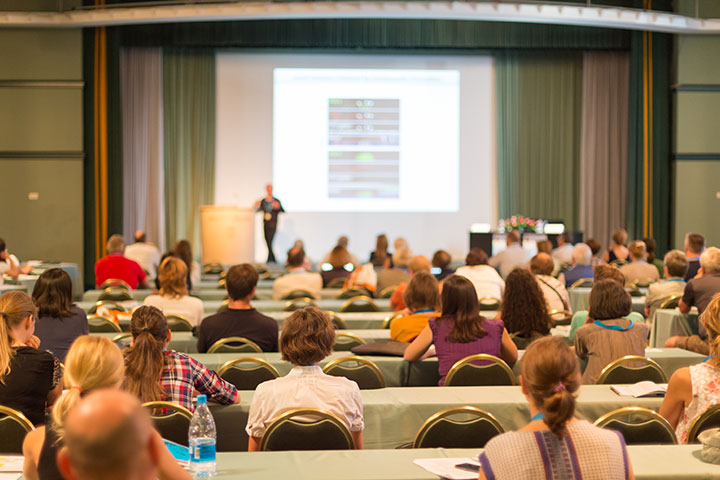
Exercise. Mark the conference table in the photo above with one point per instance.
(671, 322)
(649, 462)
(12, 288)
(205, 294)
(580, 300)
(28, 280)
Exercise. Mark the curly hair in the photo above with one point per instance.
(524, 310)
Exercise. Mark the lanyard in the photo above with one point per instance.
(425, 310)
(675, 280)
(537, 416)
(614, 327)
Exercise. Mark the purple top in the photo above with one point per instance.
(449, 353)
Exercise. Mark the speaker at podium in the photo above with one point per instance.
(228, 235)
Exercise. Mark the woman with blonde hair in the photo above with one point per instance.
(29, 378)
(617, 250)
(694, 389)
(554, 445)
(173, 298)
(92, 363)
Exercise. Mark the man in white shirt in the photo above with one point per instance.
(639, 268)
(675, 266)
(297, 277)
(144, 253)
(9, 263)
(512, 257)
(556, 296)
(563, 253)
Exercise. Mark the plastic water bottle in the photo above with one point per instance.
(202, 438)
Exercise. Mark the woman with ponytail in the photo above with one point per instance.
(554, 445)
(154, 373)
(694, 389)
(29, 378)
(92, 363)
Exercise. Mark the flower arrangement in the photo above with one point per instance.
(520, 223)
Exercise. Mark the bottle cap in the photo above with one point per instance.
(201, 399)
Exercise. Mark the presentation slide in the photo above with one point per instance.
(368, 140)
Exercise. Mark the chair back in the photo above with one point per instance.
(298, 303)
(443, 431)
(234, 345)
(358, 369)
(386, 323)
(361, 303)
(13, 428)
(172, 421)
(489, 304)
(618, 262)
(337, 322)
(643, 282)
(122, 340)
(353, 292)
(709, 419)
(101, 324)
(223, 305)
(213, 269)
(298, 294)
(344, 342)
(671, 302)
(109, 304)
(387, 291)
(178, 323)
(115, 294)
(246, 373)
(307, 429)
(639, 426)
(494, 371)
(631, 369)
(115, 283)
(561, 317)
(582, 283)
(336, 283)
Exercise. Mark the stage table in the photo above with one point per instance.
(580, 300)
(671, 322)
(650, 462)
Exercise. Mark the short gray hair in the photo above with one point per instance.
(115, 244)
(710, 260)
(581, 254)
(676, 263)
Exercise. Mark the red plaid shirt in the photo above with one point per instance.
(183, 375)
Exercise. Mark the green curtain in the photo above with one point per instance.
(189, 140)
(539, 99)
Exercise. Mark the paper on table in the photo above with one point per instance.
(11, 463)
(10, 476)
(445, 467)
(653, 350)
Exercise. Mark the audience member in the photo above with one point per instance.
(418, 264)
(307, 263)
(692, 390)
(152, 372)
(512, 257)
(675, 266)
(461, 331)
(338, 259)
(651, 245)
(109, 436)
(524, 311)
(116, 266)
(307, 338)
(610, 336)
(396, 274)
(60, 322)
(297, 278)
(698, 293)
(9, 263)
(545, 246)
(594, 245)
(441, 261)
(144, 253)
(617, 250)
(639, 269)
(29, 378)
(173, 297)
(239, 319)
(363, 277)
(422, 298)
(563, 253)
(581, 265)
(694, 246)
(554, 441)
(487, 281)
(183, 250)
(553, 290)
(380, 257)
(342, 242)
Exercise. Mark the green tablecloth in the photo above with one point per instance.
(394, 415)
(212, 293)
(13, 288)
(651, 462)
(671, 322)
(580, 300)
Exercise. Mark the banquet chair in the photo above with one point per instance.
(115, 294)
(671, 302)
(337, 322)
(109, 304)
(298, 303)
(352, 292)
(495, 372)
(361, 303)
(234, 345)
(336, 283)
(101, 324)
(489, 304)
(115, 283)
(618, 262)
(246, 373)
(386, 323)
(441, 430)
(344, 342)
(582, 283)
(172, 421)
(212, 269)
(561, 317)
(122, 340)
(307, 429)
(387, 291)
(639, 426)
(298, 294)
(362, 371)
(631, 369)
(178, 323)
(13, 427)
(709, 419)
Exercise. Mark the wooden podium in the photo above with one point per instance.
(227, 234)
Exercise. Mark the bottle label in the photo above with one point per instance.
(202, 453)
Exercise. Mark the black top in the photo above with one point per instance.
(698, 293)
(693, 267)
(268, 210)
(57, 334)
(32, 375)
(444, 273)
(331, 275)
(47, 463)
(374, 260)
(231, 322)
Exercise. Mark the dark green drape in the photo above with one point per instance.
(189, 140)
(538, 135)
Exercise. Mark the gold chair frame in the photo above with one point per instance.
(388, 320)
(628, 359)
(167, 406)
(696, 425)
(352, 300)
(428, 424)
(351, 336)
(297, 412)
(254, 360)
(668, 300)
(649, 414)
(581, 281)
(224, 341)
(115, 283)
(181, 320)
(479, 356)
(106, 320)
(18, 417)
(387, 291)
(335, 319)
(355, 358)
(290, 304)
